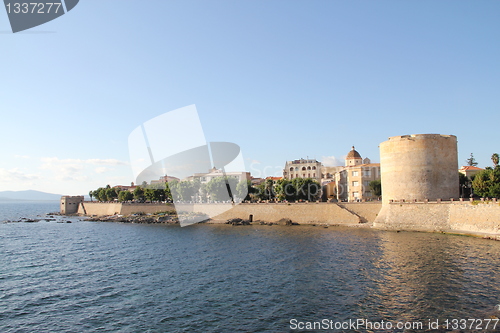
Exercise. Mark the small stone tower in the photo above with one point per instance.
(69, 204)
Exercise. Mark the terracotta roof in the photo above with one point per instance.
(353, 154)
(370, 165)
(274, 178)
(470, 167)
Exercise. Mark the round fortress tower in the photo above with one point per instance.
(418, 167)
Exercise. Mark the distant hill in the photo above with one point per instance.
(30, 195)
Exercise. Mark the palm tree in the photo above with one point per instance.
(495, 158)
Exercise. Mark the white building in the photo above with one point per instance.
(302, 169)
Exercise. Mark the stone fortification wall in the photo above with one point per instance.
(328, 213)
(367, 211)
(112, 208)
(301, 213)
(418, 167)
(480, 218)
(462, 217)
(69, 204)
(414, 216)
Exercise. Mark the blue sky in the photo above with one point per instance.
(283, 79)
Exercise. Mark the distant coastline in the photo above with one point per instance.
(28, 195)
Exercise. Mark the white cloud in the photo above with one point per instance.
(77, 169)
(16, 175)
(92, 161)
(25, 157)
(108, 162)
(102, 169)
(333, 161)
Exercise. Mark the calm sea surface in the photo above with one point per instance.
(111, 277)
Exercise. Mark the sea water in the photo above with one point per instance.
(114, 277)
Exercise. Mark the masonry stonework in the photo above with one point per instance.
(70, 204)
(419, 167)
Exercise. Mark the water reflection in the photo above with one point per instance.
(433, 276)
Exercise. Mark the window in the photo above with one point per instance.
(355, 194)
(308, 175)
(368, 173)
(291, 169)
(314, 168)
(308, 168)
(314, 175)
(355, 174)
(291, 176)
(303, 168)
(366, 183)
(303, 175)
(355, 183)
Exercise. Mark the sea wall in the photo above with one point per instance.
(301, 213)
(460, 217)
(328, 213)
(476, 218)
(456, 217)
(367, 211)
(112, 208)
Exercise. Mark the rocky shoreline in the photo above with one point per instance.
(169, 218)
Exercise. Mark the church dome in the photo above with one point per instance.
(353, 154)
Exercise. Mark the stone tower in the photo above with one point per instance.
(419, 167)
(69, 204)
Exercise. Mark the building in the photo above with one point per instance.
(274, 179)
(352, 182)
(303, 168)
(164, 179)
(214, 173)
(130, 188)
(343, 183)
(256, 181)
(469, 171)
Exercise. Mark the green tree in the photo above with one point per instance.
(495, 159)
(471, 161)
(186, 190)
(244, 189)
(125, 196)
(100, 194)
(111, 193)
(217, 188)
(149, 194)
(139, 193)
(174, 190)
(376, 188)
(306, 189)
(487, 183)
(261, 193)
(269, 188)
(284, 189)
